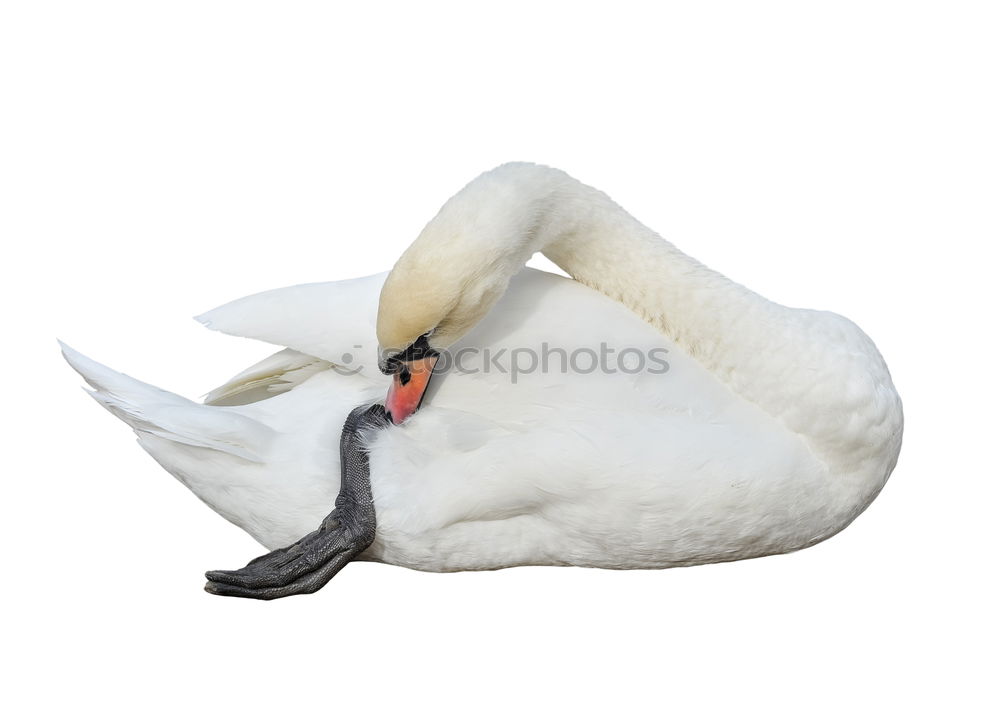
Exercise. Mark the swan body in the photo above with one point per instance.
(749, 429)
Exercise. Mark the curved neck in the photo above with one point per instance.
(539, 209)
(811, 371)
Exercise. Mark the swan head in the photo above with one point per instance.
(437, 291)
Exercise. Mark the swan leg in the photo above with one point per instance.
(305, 566)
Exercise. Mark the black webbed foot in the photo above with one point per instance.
(301, 568)
(307, 565)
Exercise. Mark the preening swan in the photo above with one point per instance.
(727, 426)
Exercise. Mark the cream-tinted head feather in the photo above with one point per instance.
(461, 263)
(441, 296)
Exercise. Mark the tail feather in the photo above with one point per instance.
(168, 416)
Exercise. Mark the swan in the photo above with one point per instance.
(717, 425)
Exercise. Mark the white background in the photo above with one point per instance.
(160, 159)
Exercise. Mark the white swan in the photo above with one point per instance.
(771, 430)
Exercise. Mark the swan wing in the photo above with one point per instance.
(275, 374)
(332, 321)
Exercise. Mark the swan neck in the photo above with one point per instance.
(598, 243)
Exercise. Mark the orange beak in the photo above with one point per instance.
(408, 386)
